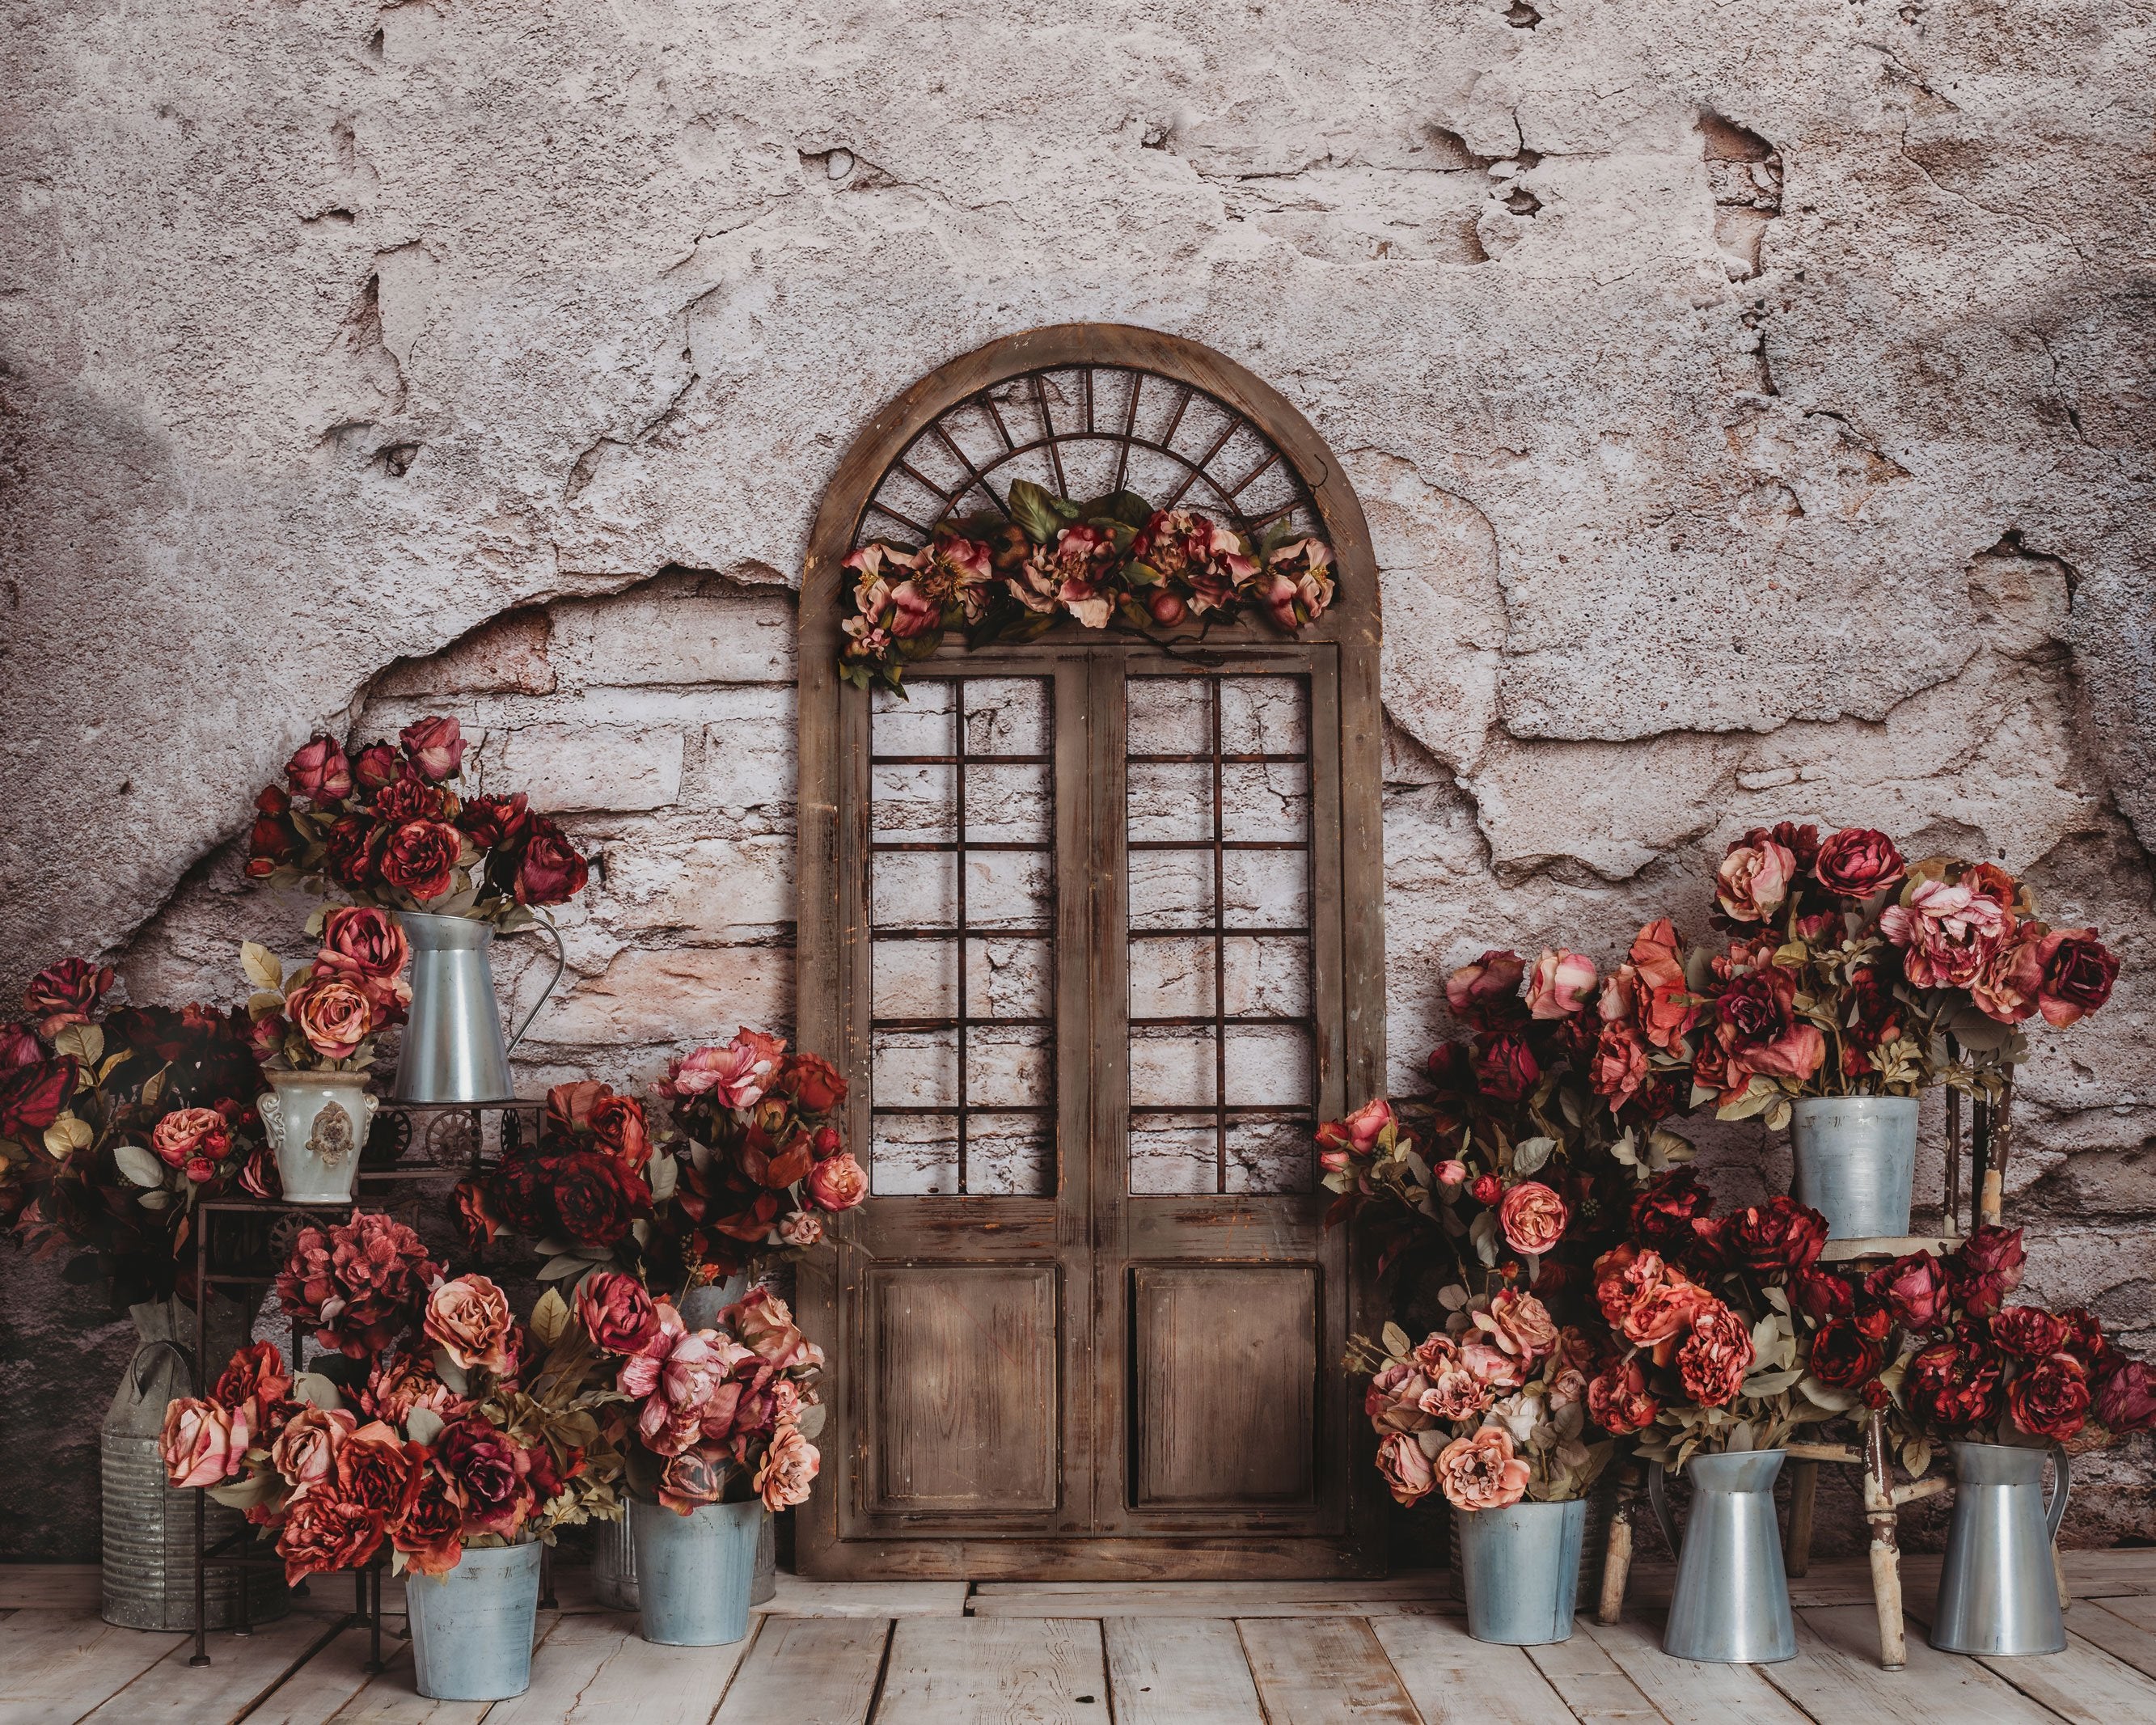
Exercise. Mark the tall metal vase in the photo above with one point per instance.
(1731, 1605)
(1999, 1593)
(453, 1047)
(1855, 1163)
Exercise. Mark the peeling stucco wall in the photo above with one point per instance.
(1751, 404)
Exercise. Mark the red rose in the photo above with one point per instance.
(1985, 1268)
(495, 823)
(2126, 1398)
(1663, 1212)
(434, 746)
(1487, 994)
(378, 1470)
(2065, 973)
(517, 1193)
(1843, 1356)
(1716, 1355)
(1949, 1387)
(65, 993)
(1780, 1237)
(1617, 1400)
(1857, 862)
(1821, 1295)
(375, 766)
(321, 1533)
(272, 841)
(837, 1183)
(1532, 1217)
(367, 948)
(2050, 1399)
(550, 872)
(1487, 1188)
(420, 857)
(595, 1197)
(254, 1382)
(616, 1312)
(2085, 1341)
(352, 850)
(825, 1141)
(1912, 1289)
(19, 1047)
(618, 1126)
(1505, 1066)
(813, 1081)
(488, 1472)
(430, 1532)
(319, 771)
(32, 1098)
(407, 797)
(2029, 1331)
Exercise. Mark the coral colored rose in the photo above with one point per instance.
(469, 1317)
(618, 1126)
(304, 1451)
(2126, 1398)
(783, 1478)
(33, 1096)
(359, 942)
(420, 857)
(617, 1313)
(1716, 1355)
(1780, 1237)
(1532, 1217)
(1947, 932)
(322, 1534)
(1619, 1066)
(1367, 1124)
(1912, 1289)
(838, 1184)
(2051, 1398)
(1843, 1357)
(800, 1228)
(335, 1016)
(435, 745)
(430, 1532)
(377, 1470)
(1617, 1400)
(812, 1082)
(398, 1384)
(1520, 1323)
(65, 993)
(2066, 974)
(1621, 1275)
(202, 1443)
(735, 1074)
(766, 1326)
(1505, 1066)
(1487, 994)
(1753, 879)
(1482, 1471)
(2029, 1331)
(319, 770)
(690, 1480)
(1393, 1400)
(495, 823)
(1664, 1311)
(1456, 1393)
(1663, 1007)
(1560, 985)
(488, 1472)
(1857, 862)
(1405, 1468)
(549, 872)
(375, 766)
(187, 1133)
(1985, 1269)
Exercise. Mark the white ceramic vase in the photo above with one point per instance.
(317, 1123)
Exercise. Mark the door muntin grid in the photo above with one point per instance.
(962, 896)
(1220, 936)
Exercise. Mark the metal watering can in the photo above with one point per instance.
(1999, 1593)
(1731, 1606)
(453, 1051)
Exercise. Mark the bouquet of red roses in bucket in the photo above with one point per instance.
(584, 1194)
(715, 1425)
(385, 826)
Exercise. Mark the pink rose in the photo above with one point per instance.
(617, 1313)
(1406, 1469)
(319, 772)
(737, 1072)
(364, 945)
(305, 1450)
(1947, 933)
(788, 1467)
(1451, 1172)
(1393, 1400)
(1519, 1323)
(1560, 984)
(838, 1183)
(1456, 1393)
(470, 1317)
(188, 1133)
(1483, 1471)
(333, 1014)
(766, 1325)
(202, 1444)
(1753, 879)
(1857, 862)
(435, 745)
(1533, 1218)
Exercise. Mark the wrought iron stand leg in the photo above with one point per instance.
(370, 1583)
(546, 1599)
(201, 1655)
(1886, 1547)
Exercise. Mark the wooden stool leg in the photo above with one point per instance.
(1804, 1497)
(1885, 1548)
(2059, 1567)
(1616, 1564)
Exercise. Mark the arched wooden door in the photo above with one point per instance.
(1093, 924)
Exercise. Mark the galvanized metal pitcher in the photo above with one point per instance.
(1998, 1591)
(1856, 1160)
(1731, 1606)
(453, 1051)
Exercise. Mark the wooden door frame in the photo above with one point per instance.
(833, 837)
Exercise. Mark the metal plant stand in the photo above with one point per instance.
(450, 1142)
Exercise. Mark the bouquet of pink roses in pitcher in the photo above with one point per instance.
(707, 1415)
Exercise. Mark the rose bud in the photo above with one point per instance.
(375, 765)
(1488, 1188)
(1451, 1173)
(435, 745)
(1485, 993)
(1560, 985)
(550, 872)
(319, 771)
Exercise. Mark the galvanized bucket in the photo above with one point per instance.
(1999, 1592)
(694, 1571)
(1519, 1567)
(317, 1123)
(472, 1628)
(1601, 1507)
(614, 1565)
(1731, 1604)
(453, 1050)
(1855, 1163)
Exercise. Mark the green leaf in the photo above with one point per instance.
(139, 1165)
(812, 1420)
(261, 965)
(317, 1391)
(423, 1425)
(1036, 512)
(1125, 508)
(564, 1264)
(1529, 1154)
(550, 1317)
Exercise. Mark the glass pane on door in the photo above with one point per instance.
(1221, 1006)
(962, 937)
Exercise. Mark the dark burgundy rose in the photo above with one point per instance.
(2051, 1398)
(408, 797)
(2065, 973)
(435, 745)
(812, 1081)
(1843, 1356)
(418, 857)
(550, 872)
(374, 766)
(352, 850)
(2126, 1398)
(1912, 1289)
(1821, 1295)
(495, 823)
(2085, 1341)
(518, 1195)
(1857, 862)
(2029, 1331)
(259, 1176)
(487, 1470)
(593, 1197)
(1985, 1269)
(1663, 1212)
(1778, 1237)
(1950, 1388)
(1758, 1030)
(32, 1098)
(476, 1225)
(1505, 1067)
(616, 1312)
(66, 993)
(1801, 842)
(319, 771)
(1487, 994)
(1872, 1016)
(18, 1047)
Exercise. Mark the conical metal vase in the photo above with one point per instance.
(455, 1051)
(1999, 1593)
(1731, 1605)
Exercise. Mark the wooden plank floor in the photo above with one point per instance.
(1393, 1652)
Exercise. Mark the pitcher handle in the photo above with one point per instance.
(1658, 1494)
(2055, 1511)
(553, 982)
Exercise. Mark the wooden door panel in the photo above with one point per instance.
(966, 1408)
(1224, 1361)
